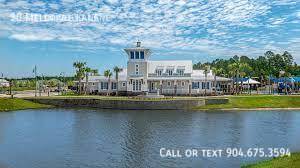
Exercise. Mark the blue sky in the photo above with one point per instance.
(199, 30)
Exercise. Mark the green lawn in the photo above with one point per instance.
(282, 162)
(7, 104)
(248, 102)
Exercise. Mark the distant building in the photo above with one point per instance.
(172, 77)
(4, 83)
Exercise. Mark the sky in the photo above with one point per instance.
(198, 30)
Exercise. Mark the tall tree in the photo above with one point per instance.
(244, 70)
(288, 58)
(117, 70)
(206, 71)
(80, 72)
(233, 72)
(108, 75)
(95, 72)
(87, 71)
(217, 72)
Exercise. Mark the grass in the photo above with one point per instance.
(250, 102)
(281, 162)
(7, 104)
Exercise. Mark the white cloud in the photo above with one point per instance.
(216, 26)
(284, 2)
(298, 14)
(31, 37)
(278, 22)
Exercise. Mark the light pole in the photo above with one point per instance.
(62, 77)
(41, 85)
(10, 88)
(35, 74)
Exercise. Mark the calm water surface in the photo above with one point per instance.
(63, 138)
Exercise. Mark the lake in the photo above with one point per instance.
(89, 138)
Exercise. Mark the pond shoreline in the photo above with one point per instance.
(250, 103)
(128, 103)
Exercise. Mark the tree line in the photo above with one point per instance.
(270, 65)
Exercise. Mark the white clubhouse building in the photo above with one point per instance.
(172, 77)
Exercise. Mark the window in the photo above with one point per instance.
(182, 83)
(123, 84)
(93, 84)
(170, 72)
(158, 72)
(104, 85)
(142, 54)
(195, 85)
(180, 72)
(136, 85)
(137, 69)
(114, 86)
(137, 55)
(131, 55)
(169, 83)
(133, 85)
(203, 85)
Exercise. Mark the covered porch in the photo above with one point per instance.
(169, 86)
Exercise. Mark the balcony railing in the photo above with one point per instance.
(166, 75)
(136, 75)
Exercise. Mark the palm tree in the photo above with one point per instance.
(80, 69)
(244, 69)
(87, 70)
(206, 70)
(117, 70)
(233, 71)
(216, 72)
(108, 74)
(94, 72)
(239, 69)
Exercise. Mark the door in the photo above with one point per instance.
(152, 86)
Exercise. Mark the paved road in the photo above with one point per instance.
(28, 93)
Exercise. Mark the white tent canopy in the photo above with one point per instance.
(250, 81)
